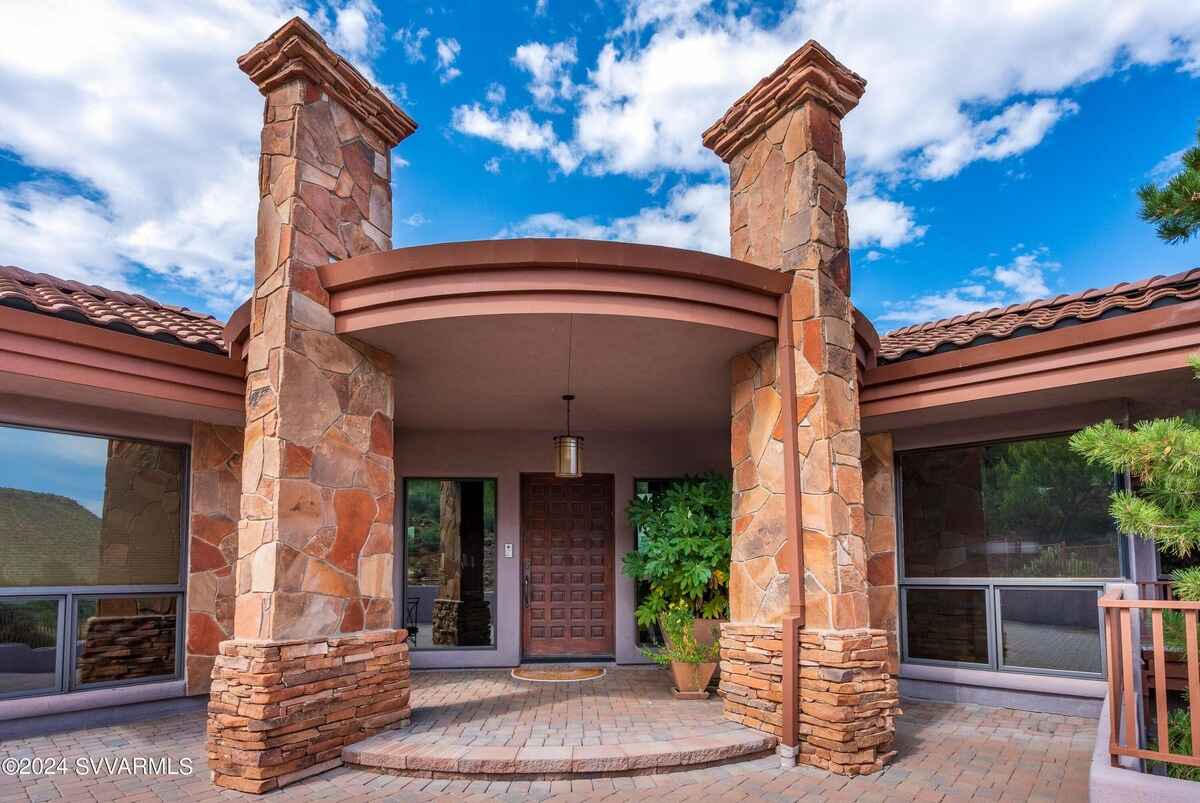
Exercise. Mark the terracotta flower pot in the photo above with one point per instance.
(691, 680)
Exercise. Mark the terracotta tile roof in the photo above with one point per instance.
(112, 309)
(986, 326)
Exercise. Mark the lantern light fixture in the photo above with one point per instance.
(568, 448)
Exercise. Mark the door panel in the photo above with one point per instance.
(567, 571)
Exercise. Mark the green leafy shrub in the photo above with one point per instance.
(682, 647)
(685, 539)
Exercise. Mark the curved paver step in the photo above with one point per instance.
(393, 752)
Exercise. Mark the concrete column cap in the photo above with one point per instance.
(297, 51)
(809, 74)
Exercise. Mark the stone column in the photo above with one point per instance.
(315, 662)
(783, 143)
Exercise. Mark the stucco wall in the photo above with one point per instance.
(504, 456)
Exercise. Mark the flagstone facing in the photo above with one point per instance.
(215, 507)
(879, 500)
(783, 143)
(315, 541)
(758, 583)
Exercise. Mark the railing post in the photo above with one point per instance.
(1122, 610)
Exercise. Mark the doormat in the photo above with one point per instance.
(563, 675)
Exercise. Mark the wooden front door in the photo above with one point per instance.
(567, 566)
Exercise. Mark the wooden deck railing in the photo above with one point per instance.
(1156, 589)
(1123, 650)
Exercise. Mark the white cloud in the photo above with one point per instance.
(149, 135)
(1018, 128)
(539, 8)
(1167, 166)
(357, 29)
(447, 52)
(415, 219)
(1025, 276)
(496, 94)
(516, 131)
(45, 228)
(492, 166)
(940, 75)
(399, 162)
(152, 133)
(412, 39)
(549, 67)
(950, 84)
(1023, 279)
(878, 221)
(695, 217)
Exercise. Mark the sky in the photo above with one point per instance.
(69, 465)
(993, 159)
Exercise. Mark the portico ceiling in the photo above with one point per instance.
(498, 372)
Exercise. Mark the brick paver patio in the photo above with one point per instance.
(489, 722)
(947, 753)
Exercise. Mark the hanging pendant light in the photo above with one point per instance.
(568, 448)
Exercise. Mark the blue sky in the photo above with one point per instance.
(994, 157)
(68, 465)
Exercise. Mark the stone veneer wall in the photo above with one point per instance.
(879, 500)
(752, 675)
(758, 572)
(848, 701)
(751, 670)
(215, 505)
(283, 711)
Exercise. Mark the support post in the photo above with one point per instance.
(316, 661)
(783, 143)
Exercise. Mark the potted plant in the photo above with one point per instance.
(692, 663)
(684, 541)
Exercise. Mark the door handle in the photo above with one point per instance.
(526, 582)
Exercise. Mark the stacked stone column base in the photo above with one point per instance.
(281, 711)
(752, 676)
(848, 701)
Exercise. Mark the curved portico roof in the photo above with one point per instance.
(497, 277)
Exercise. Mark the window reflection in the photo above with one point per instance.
(28, 646)
(1050, 628)
(84, 511)
(1022, 509)
(78, 512)
(451, 562)
(124, 638)
(947, 624)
